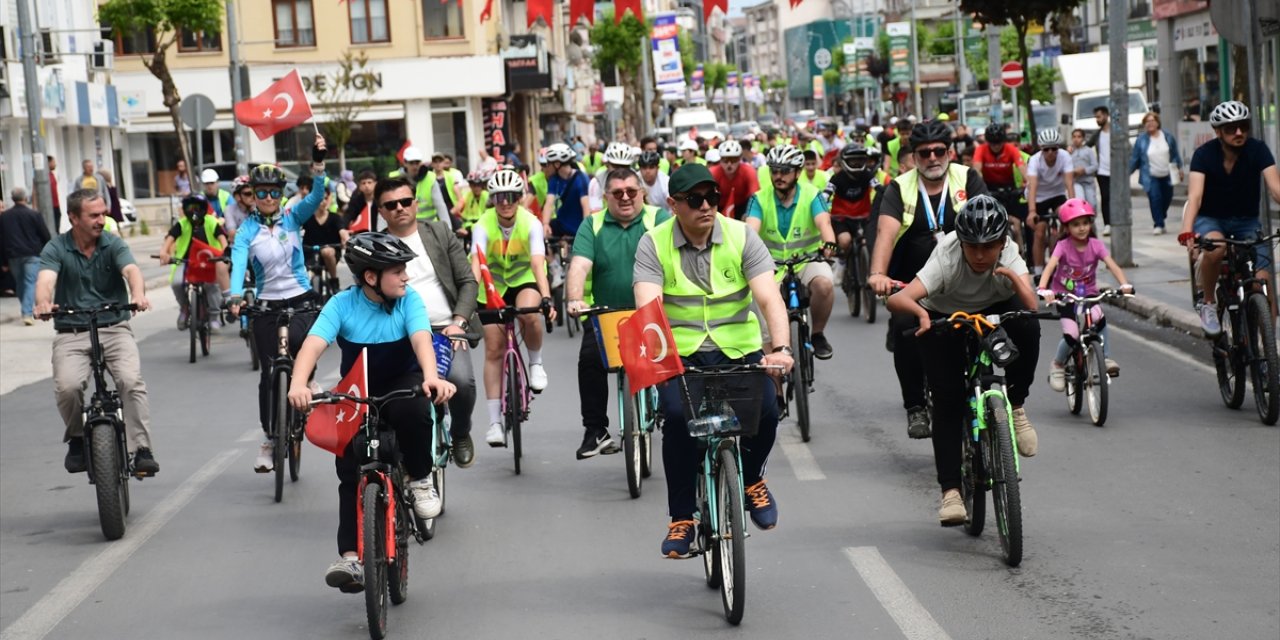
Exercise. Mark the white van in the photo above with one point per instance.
(684, 120)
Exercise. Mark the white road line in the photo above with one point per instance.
(41, 618)
(911, 616)
(801, 458)
(1165, 349)
(252, 435)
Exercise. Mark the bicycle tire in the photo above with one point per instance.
(800, 377)
(1265, 368)
(296, 435)
(206, 330)
(1228, 359)
(733, 538)
(710, 551)
(1097, 384)
(398, 571)
(254, 365)
(373, 533)
(868, 296)
(108, 480)
(631, 440)
(512, 413)
(1005, 494)
(646, 432)
(849, 284)
(280, 428)
(1073, 381)
(973, 488)
(193, 321)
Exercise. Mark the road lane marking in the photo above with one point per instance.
(50, 610)
(251, 435)
(1165, 349)
(801, 458)
(912, 618)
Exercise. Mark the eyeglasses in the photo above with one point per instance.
(624, 194)
(263, 194)
(933, 152)
(1233, 128)
(695, 201)
(506, 197)
(392, 205)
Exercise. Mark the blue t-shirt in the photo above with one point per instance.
(568, 195)
(784, 213)
(1235, 194)
(356, 322)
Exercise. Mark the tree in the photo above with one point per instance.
(619, 47)
(688, 57)
(167, 18)
(715, 77)
(345, 95)
(1039, 77)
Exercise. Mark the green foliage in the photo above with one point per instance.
(942, 40)
(618, 45)
(1039, 77)
(164, 16)
(687, 60)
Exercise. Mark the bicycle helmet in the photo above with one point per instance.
(618, 154)
(476, 177)
(1049, 138)
(1228, 112)
(650, 159)
(506, 181)
(267, 174)
(785, 156)
(1074, 208)
(194, 208)
(375, 251)
(983, 219)
(560, 152)
(930, 131)
(712, 156)
(239, 183)
(995, 133)
(730, 149)
(859, 161)
(208, 176)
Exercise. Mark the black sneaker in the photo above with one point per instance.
(821, 348)
(464, 452)
(596, 441)
(74, 462)
(679, 538)
(918, 423)
(144, 464)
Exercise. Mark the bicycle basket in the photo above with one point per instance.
(444, 353)
(606, 330)
(723, 403)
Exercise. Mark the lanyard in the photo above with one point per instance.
(935, 224)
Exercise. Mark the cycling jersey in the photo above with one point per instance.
(568, 193)
(735, 190)
(998, 170)
(356, 323)
(275, 251)
(849, 199)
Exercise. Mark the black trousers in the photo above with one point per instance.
(946, 367)
(411, 419)
(264, 339)
(593, 381)
(1104, 198)
(907, 361)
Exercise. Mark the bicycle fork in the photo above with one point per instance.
(383, 479)
(978, 400)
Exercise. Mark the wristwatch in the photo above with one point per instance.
(462, 324)
(784, 349)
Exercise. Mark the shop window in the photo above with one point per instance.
(294, 23)
(442, 20)
(368, 21)
(449, 131)
(200, 42)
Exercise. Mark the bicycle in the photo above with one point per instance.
(199, 318)
(441, 439)
(516, 393)
(1085, 371)
(857, 266)
(106, 451)
(384, 513)
(1248, 339)
(799, 384)
(989, 453)
(287, 426)
(561, 249)
(320, 282)
(637, 413)
(723, 403)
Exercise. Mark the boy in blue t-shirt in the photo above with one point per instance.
(386, 317)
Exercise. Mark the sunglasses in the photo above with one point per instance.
(696, 201)
(624, 194)
(247, 193)
(506, 198)
(1050, 148)
(733, 160)
(392, 205)
(933, 152)
(263, 194)
(782, 171)
(1234, 128)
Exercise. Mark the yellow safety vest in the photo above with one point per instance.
(510, 261)
(957, 175)
(183, 241)
(802, 237)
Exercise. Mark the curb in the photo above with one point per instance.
(154, 283)
(1161, 314)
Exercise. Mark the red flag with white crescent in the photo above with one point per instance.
(492, 299)
(332, 426)
(281, 107)
(199, 268)
(363, 221)
(647, 347)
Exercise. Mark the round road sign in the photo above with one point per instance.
(1011, 74)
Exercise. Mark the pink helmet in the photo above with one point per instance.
(1074, 208)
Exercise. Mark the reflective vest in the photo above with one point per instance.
(893, 146)
(957, 175)
(473, 207)
(421, 191)
(664, 166)
(224, 201)
(510, 261)
(648, 217)
(184, 238)
(593, 162)
(539, 183)
(802, 237)
(819, 180)
(109, 225)
(723, 315)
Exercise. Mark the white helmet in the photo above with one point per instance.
(506, 181)
(1227, 112)
(713, 156)
(619, 154)
(730, 149)
(688, 145)
(1049, 137)
(785, 156)
(208, 176)
(560, 152)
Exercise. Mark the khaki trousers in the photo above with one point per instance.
(72, 375)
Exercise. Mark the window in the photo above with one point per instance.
(133, 42)
(441, 20)
(295, 24)
(199, 41)
(368, 21)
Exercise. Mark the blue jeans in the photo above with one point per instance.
(24, 272)
(1236, 229)
(1159, 195)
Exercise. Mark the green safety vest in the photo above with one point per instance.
(473, 207)
(511, 261)
(664, 166)
(648, 217)
(815, 147)
(422, 192)
(184, 238)
(724, 315)
(819, 180)
(893, 146)
(802, 237)
(224, 200)
(593, 162)
(957, 175)
(539, 183)
(109, 225)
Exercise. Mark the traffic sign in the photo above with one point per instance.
(1011, 74)
(197, 111)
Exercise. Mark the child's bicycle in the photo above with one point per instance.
(199, 316)
(1087, 379)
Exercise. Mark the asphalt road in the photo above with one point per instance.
(1164, 524)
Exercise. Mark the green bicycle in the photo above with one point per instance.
(639, 413)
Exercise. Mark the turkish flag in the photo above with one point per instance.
(492, 299)
(647, 348)
(282, 106)
(332, 426)
(199, 269)
(620, 8)
(363, 221)
(485, 15)
(710, 5)
(582, 9)
(400, 153)
(539, 9)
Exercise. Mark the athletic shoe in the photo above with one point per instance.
(215, 324)
(537, 377)
(761, 506)
(266, 462)
(821, 347)
(74, 462)
(28, 320)
(1113, 368)
(918, 423)
(1057, 377)
(496, 436)
(1106, 229)
(183, 320)
(1025, 433)
(1158, 231)
(1209, 319)
(596, 441)
(464, 452)
(426, 500)
(347, 575)
(680, 536)
(144, 464)
(952, 512)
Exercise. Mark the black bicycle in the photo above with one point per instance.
(560, 250)
(857, 267)
(105, 445)
(321, 283)
(199, 316)
(799, 384)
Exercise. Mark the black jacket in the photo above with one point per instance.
(23, 233)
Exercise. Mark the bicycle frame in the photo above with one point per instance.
(708, 472)
(512, 358)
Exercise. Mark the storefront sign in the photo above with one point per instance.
(1165, 9)
(1135, 31)
(319, 83)
(497, 131)
(133, 104)
(1194, 31)
(526, 63)
(899, 51)
(855, 75)
(668, 71)
(819, 88)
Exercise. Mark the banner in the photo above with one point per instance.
(497, 133)
(899, 51)
(755, 94)
(696, 93)
(854, 75)
(668, 71)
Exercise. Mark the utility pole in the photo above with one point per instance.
(1121, 202)
(996, 108)
(233, 40)
(646, 81)
(962, 69)
(31, 87)
(915, 65)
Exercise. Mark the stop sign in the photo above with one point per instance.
(1011, 74)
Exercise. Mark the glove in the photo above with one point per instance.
(317, 154)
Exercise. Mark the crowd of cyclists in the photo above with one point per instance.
(953, 223)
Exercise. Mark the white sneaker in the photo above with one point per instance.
(426, 500)
(1158, 231)
(215, 324)
(1106, 229)
(537, 377)
(1209, 319)
(266, 458)
(497, 436)
(1057, 377)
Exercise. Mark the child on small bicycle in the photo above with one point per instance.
(388, 318)
(1073, 268)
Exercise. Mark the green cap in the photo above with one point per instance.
(688, 177)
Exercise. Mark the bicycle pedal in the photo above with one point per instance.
(142, 474)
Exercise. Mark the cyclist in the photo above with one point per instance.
(387, 318)
(1223, 200)
(219, 198)
(616, 156)
(473, 203)
(735, 180)
(239, 209)
(891, 163)
(604, 256)
(325, 228)
(654, 179)
(905, 240)
(1050, 181)
(270, 244)
(567, 200)
(515, 250)
(199, 223)
(431, 203)
(85, 268)
(974, 269)
(649, 144)
(792, 220)
(856, 184)
(708, 270)
(1002, 168)
(689, 153)
(538, 181)
(361, 210)
(812, 174)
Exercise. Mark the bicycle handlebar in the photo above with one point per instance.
(595, 311)
(172, 260)
(1067, 299)
(1209, 243)
(731, 368)
(112, 307)
(803, 258)
(506, 314)
(979, 323)
(318, 247)
(260, 308)
(333, 397)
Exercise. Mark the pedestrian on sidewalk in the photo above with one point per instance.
(1084, 159)
(23, 233)
(1101, 141)
(1155, 154)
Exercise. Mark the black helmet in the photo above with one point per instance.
(267, 174)
(930, 131)
(866, 158)
(194, 207)
(650, 159)
(376, 251)
(982, 220)
(995, 133)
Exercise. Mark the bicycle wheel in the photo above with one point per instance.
(1228, 359)
(374, 558)
(1005, 495)
(631, 440)
(205, 330)
(1096, 383)
(849, 284)
(247, 332)
(297, 430)
(193, 320)
(1265, 371)
(868, 296)
(973, 486)
(706, 536)
(1072, 378)
(800, 376)
(280, 426)
(648, 426)
(733, 539)
(108, 481)
(398, 569)
(511, 413)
